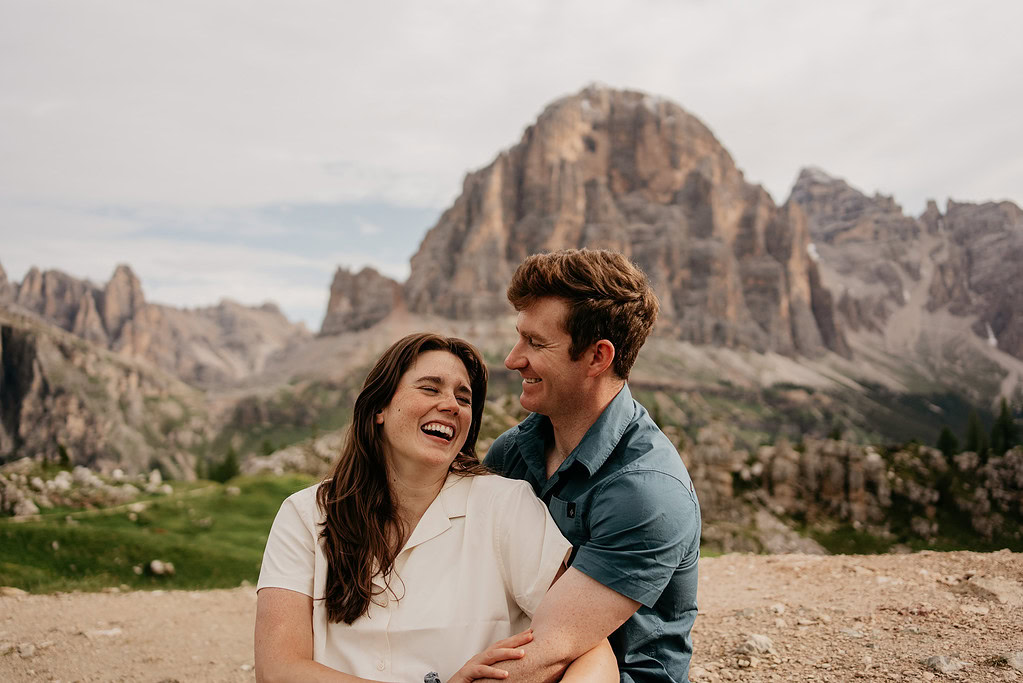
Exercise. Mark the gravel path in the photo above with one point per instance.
(798, 618)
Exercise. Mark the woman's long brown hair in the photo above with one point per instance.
(361, 533)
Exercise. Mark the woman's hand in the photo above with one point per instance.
(480, 665)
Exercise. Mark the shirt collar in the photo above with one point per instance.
(448, 504)
(596, 445)
(603, 435)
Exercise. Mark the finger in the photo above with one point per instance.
(500, 654)
(484, 671)
(517, 640)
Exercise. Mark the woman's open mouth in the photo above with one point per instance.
(439, 430)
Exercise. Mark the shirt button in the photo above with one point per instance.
(380, 665)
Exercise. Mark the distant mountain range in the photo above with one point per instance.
(831, 289)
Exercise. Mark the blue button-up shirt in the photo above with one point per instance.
(625, 501)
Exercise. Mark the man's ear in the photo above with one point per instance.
(602, 353)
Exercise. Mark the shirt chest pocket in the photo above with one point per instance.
(567, 515)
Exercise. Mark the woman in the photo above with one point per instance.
(405, 562)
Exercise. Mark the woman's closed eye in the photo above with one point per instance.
(464, 400)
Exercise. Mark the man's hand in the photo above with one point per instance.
(480, 666)
(575, 615)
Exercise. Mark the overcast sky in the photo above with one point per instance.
(245, 149)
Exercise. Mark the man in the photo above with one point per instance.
(613, 482)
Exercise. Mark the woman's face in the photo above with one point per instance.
(426, 423)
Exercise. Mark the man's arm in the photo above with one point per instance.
(574, 616)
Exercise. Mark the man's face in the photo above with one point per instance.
(551, 380)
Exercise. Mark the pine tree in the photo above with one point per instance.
(947, 443)
(976, 439)
(1003, 431)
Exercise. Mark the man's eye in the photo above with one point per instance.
(465, 401)
(432, 390)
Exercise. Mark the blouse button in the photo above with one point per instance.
(380, 665)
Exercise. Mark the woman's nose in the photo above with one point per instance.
(449, 403)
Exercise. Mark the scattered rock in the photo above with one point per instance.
(974, 609)
(11, 591)
(1005, 591)
(1015, 660)
(944, 664)
(161, 568)
(26, 650)
(233, 491)
(756, 644)
(778, 609)
(25, 507)
(103, 632)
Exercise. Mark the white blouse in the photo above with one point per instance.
(473, 571)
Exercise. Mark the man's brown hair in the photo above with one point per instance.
(608, 297)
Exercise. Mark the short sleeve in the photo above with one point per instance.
(529, 545)
(290, 555)
(494, 459)
(641, 524)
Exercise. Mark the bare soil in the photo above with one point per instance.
(827, 618)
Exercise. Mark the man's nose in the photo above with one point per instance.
(515, 360)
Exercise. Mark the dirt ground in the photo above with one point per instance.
(836, 618)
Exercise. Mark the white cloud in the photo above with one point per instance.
(190, 105)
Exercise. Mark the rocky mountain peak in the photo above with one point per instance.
(359, 300)
(628, 171)
(209, 346)
(838, 212)
(900, 277)
(7, 291)
(122, 299)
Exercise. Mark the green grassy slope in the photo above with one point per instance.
(214, 540)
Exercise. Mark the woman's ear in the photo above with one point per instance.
(379, 417)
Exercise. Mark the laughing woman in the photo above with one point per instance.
(410, 562)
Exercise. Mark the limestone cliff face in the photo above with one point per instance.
(622, 170)
(984, 270)
(359, 300)
(211, 346)
(61, 396)
(892, 272)
(867, 242)
(121, 301)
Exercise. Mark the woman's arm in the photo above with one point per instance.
(599, 665)
(284, 640)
